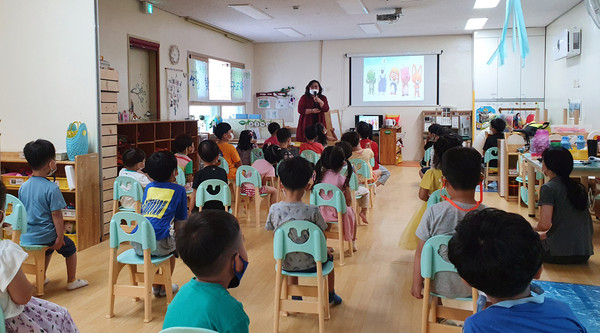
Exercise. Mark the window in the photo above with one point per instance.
(219, 82)
(206, 114)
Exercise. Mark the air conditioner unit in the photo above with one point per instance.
(566, 44)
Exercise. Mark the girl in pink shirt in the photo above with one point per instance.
(328, 171)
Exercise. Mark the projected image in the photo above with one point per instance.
(393, 79)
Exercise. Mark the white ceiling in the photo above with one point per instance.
(326, 20)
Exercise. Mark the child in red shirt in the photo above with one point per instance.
(310, 133)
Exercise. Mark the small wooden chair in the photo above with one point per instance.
(362, 168)
(311, 156)
(155, 269)
(203, 194)
(316, 246)
(337, 201)
(256, 154)
(223, 164)
(127, 186)
(248, 175)
(36, 262)
(436, 197)
(432, 262)
(491, 173)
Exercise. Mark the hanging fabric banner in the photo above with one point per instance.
(519, 33)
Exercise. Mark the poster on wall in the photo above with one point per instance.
(198, 80)
(176, 87)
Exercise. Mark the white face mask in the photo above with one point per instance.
(52, 171)
(231, 136)
(314, 91)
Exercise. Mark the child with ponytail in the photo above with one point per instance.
(328, 171)
(565, 224)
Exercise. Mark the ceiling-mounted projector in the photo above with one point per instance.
(390, 18)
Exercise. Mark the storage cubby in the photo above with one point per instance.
(163, 131)
(146, 133)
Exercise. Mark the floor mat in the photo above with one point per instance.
(584, 300)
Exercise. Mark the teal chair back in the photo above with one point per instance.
(427, 156)
(223, 164)
(372, 162)
(316, 245)
(335, 195)
(187, 330)
(2, 326)
(432, 261)
(144, 233)
(256, 154)
(180, 177)
(361, 167)
(353, 182)
(247, 174)
(127, 186)
(436, 197)
(18, 216)
(203, 195)
(490, 155)
(311, 156)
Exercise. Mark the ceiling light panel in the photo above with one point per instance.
(353, 7)
(479, 4)
(251, 11)
(290, 32)
(475, 23)
(370, 28)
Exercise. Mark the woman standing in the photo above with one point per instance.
(311, 107)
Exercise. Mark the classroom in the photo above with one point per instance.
(147, 108)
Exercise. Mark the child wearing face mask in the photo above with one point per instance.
(43, 202)
(224, 134)
(204, 302)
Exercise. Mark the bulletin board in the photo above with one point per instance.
(176, 94)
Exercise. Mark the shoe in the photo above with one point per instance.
(296, 298)
(354, 247)
(76, 284)
(334, 299)
(46, 281)
(174, 287)
(156, 291)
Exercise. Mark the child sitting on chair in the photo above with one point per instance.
(461, 169)
(310, 133)
(134, 160)
(183, 145)
(23, 313)
(246, 143)
(365, 131)
(265, 168)
(364, 154)
(284, 136)
(209, 152)
(43, 202)
(294, 175)
(224, 134)
(164, 205)
(211, 244)
(272, 140)
(499, 253)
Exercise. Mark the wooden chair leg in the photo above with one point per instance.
(371, 196)
(237, 202)
(278, 280)
(113, 273)
(320, 293)
(166, 272)
(40, 268)
(148, 278)
(257, 200)
(425, 311)
(326, 297)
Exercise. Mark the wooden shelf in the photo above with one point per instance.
(13, 157)
(69, 219)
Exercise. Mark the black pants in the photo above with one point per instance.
(563, 260)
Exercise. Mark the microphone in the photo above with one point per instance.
(314, 93)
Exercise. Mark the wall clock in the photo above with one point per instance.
(174, 54)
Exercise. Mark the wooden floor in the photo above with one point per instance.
(374, 284)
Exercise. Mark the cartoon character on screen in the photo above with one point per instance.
(394, 79)
(417, 78)
(382, 82)
(405, 77)
(371, 81)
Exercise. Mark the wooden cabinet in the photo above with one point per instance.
(85, 197)
(387, 145)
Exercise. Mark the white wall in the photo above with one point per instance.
(278, 65)
(584, 68)
(120, 18)
(48, 66)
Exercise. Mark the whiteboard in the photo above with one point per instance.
(176, 94)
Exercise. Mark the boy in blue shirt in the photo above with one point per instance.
(211, 245)
(164, 205)
(499, 253)
(43, 202)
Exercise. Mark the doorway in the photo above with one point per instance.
(143, 76)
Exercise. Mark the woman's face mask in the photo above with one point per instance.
(314, 91)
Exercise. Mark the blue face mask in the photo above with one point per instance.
(235, 281)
